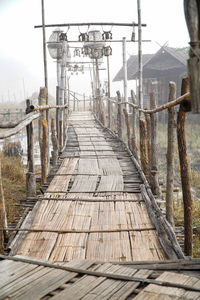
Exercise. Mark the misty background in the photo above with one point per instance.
(21, 54)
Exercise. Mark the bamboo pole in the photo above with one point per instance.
(109, 103)
(60, 134)
(44, 152)
(103, 114)
(3, 216)
(54, 143)
(128, 130)
(124, 69)
(134, 139)
(30, 176)
(42, 103)
(154, 144)
(57, 102)
(148, 124)
(185, 176)
(119, 116)
(170, 157)
(90, 24)
(143, 148)
(45, 56)
(192, 16)
(46, 107)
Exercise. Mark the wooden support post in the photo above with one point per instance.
(127, 121)
(42, 102)
(134, 139)
(54, 143)
(3, 216)
(143, 148)
(192, 15)
(30, 176)
(109, 114)
(84, 102)
(57, 111)
(60, 134)
(119, 116)
(148, 124)
(184, 167)
(103, 114)
(170, 157)
(154, 182)
(44, 152)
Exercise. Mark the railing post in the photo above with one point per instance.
(44, 159)
(109, 113)
(119, 115)
(54, 143)
(148, 124)
(57, 111)
(170, 157)
(60, 138)
(30, 175)
(184, 167)
(3, 217)
(134, 140)
(127, 121)
(103, 114)
(42, 102)
(144, 148)
(154, 144)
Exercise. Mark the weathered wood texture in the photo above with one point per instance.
(3, 217)
(185, 174)
(30, 176)
(154, 152)
(82, 279)
(79, 207)
(119, 116)
(192, 15)
(54, 143)
(44, 152)
(144, 148)
(170, 157)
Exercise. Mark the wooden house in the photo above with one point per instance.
(168, 64)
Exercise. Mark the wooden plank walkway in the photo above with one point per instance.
(24, 279)
(93, 208)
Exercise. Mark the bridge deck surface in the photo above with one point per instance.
(93, 208)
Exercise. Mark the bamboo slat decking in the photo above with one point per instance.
(93, 208)
(24, 279)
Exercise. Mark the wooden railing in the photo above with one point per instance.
(114, 115)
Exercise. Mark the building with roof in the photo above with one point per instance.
(168, 64)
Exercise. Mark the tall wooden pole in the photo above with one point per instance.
(170, 157)
(154, 149)
(140, 55)
(124, 69)
(45, 55)
(3, 217)
(184, 167)
(30, 175)
(109, 103)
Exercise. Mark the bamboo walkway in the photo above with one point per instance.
(93, 208)
(85, 279)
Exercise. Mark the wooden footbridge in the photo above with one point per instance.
(96, 230)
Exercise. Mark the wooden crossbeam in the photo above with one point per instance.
(79, 231)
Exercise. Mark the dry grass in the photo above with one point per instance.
(14, 184)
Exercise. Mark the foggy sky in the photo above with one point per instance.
(21, 57)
